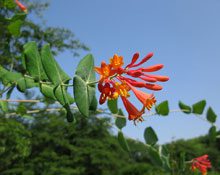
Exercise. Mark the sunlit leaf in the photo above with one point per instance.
(81, 95)
(199, 107)
(54, 72)
(61, 95)
(163, 108)
(48, 91)
(84, 91)
(33, 61)
(85, 69)
(185, 108)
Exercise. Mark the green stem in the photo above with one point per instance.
(93, 82)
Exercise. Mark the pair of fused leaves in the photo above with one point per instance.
(9, 78)
(44, 69)
(84, 86)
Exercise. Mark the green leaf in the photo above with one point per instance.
(61, 95)
(123, 142)
(186, 109)
(85, 69)
(69, 114)
(22, 83)
(84, 89)
(94, 104)
(163, 108)
(4, 106)
(47, 91)
(154, 156)
(150, 136)
(199, 107)
(14, 27)
(212, 133)
(33, 61)
(81, 95)
(119, 121)
(8, 77)
(25, 83)
(55, 74)
(113, 106)
(211, 116)
(10, 4)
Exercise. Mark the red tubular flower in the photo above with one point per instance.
(201, 163)
(133, 113)
(105, 71)
(152, 68)
(134, 59)
(158, 77)
(146, 58)
(21, 6)
(116, 83)
(116, 61)
(106, 92)
(148, 100)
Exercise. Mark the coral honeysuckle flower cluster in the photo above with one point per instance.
(201, 163)
(116, 81)
(21, 6)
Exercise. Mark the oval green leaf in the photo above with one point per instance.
(211, 116)
(185, 108)
(150, 136)
(163, 108)
(81, 95)
(199, 107)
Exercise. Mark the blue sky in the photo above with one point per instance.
(184, 36)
